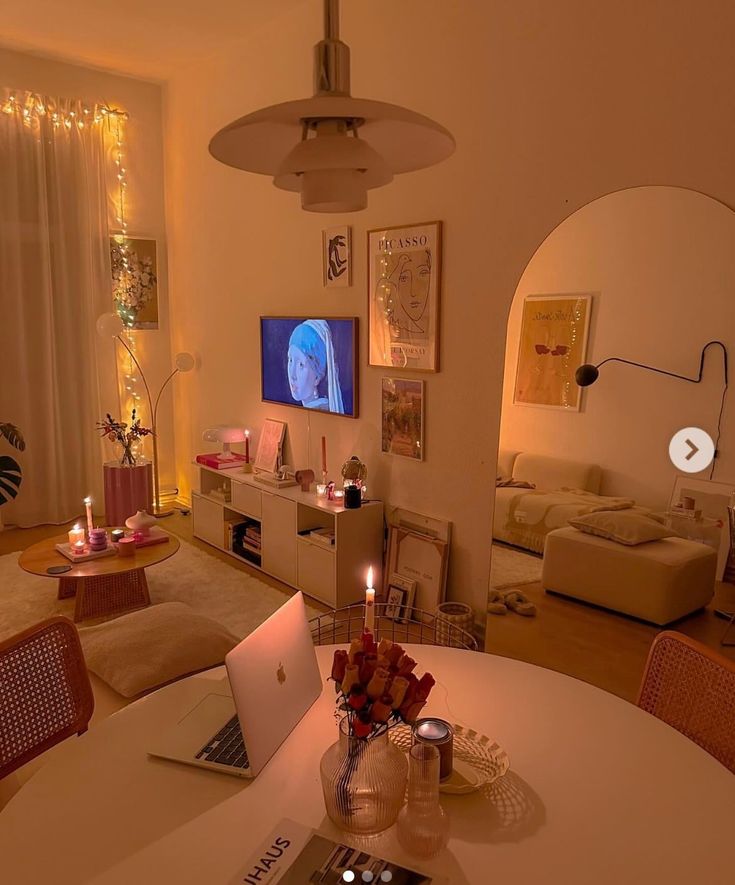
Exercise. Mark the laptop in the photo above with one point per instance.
(274, 678)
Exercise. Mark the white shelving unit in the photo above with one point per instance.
(335, 574)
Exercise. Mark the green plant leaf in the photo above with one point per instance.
(10, 478)
(13, 435)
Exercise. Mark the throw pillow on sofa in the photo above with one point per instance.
(623, 527)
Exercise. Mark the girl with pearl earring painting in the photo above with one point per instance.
(313, 377)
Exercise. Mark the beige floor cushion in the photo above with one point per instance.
(660, 581)
(155, 645)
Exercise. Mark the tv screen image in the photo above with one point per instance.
(310, 363)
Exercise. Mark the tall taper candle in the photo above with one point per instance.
(88, 505)
(247, 446)
(370, 603)
(324, 456)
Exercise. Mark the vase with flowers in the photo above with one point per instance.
(363, 774)
(124, 436)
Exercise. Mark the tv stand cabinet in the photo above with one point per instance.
(334, 574)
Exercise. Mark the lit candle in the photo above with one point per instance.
(324, 458)
(76, 534)
(88, 505)
(338, 494)
(370, 603)
(321, 490)
(247, 446)
(78, 548)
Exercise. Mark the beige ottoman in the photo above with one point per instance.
(659, 581)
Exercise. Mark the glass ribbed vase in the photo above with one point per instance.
(364, 782)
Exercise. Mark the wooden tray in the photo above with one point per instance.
(66, 550)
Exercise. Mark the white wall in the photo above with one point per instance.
(660, 263)
(145, 204)
(552, 105)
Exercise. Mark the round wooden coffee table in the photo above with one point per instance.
(104, 586)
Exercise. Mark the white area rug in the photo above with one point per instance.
(211, 587)
(512, 568)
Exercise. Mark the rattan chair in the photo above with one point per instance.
(45, 694)
(341, 625)
(692, 688)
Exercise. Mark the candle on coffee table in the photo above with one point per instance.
(76, 534)
(441, 735)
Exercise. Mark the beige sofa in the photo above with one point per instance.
(547, 474)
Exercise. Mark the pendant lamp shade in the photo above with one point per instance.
(332, 148)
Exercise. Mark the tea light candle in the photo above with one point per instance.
(117, 535)
(78, 548)
(76, 534)
(321, 490)
(370, 603)
(338, 494)
(441, 735)
(88, 506)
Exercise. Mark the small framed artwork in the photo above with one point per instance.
(337, 256)
(404, 282)
(402, 418)
(698, 511)
(420, 558)
(552, 345)
(270, 445)
(135, 280)
(399, 599)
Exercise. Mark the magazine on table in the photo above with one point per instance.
(295, 855)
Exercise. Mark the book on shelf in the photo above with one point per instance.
(323, 536)
(295, 855)
(218, 461)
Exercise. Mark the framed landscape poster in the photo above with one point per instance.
(337, 256)
(402, 418)
(552, 345)
(135, 280)
(404, 277)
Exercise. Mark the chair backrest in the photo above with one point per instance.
(692, 688)
(45, 694)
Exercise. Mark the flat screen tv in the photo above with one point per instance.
(310, 363)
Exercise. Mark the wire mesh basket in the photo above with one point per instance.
(340, 626)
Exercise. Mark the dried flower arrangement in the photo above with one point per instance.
(118, 431)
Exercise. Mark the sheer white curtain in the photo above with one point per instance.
(57, 377)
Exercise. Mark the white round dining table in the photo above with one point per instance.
(598, 793)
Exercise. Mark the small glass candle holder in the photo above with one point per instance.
(78, 548)
(321, 490)
(339, 495)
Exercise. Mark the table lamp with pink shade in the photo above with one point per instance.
(109, 325)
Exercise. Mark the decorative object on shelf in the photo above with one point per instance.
(337, 256)
(588, 373)
(478, 761)
(141, 523)
(223, 493)
(353, 497)
(225, 459)
(449, 614)
(363, 781)
(354, 474)
(310, 363)
(124, 436)
(439, 734)
(332, 148)
(11, 474)
(109, 325)
(423, 825)
(330, 490)
(402, 418)
(713, 499)
(135, 281)
(270, 446)
(247, 467)
(399, 598)
(321, 490)
(404, 283)
(552, 342)
(304, 478)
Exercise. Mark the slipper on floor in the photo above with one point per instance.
(495, 603)
(518, 602)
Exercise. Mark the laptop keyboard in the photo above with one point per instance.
(226, 747)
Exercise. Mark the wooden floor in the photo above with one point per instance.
(600, 647)
(606, 649)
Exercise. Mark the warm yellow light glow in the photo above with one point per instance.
(370, 578)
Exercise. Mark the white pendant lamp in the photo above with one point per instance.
(332, 148)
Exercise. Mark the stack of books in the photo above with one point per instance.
(252, 535)
(322, 536)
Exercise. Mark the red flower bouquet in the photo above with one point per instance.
(376, 686)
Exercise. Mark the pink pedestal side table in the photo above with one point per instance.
(127, 490)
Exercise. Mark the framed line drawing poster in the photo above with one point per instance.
(404, 282)
(337, 257)
(552, 344)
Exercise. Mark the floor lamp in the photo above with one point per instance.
(109, 325)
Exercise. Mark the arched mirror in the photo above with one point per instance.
(645, 276)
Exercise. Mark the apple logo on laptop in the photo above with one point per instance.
(280, 673)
